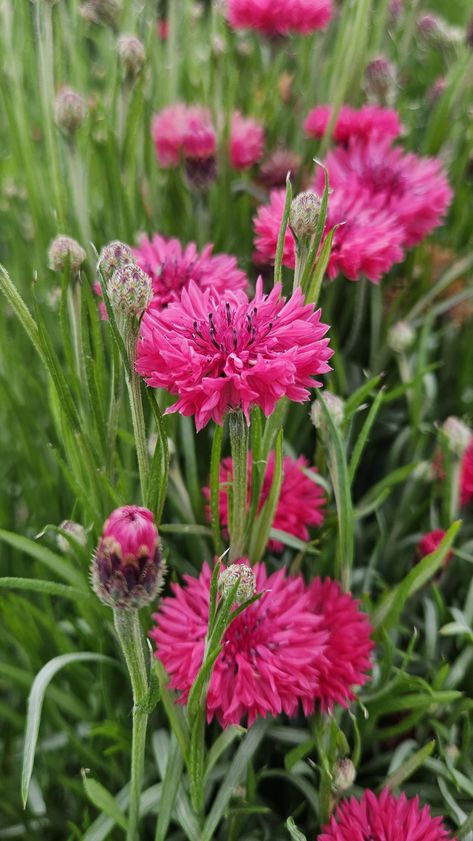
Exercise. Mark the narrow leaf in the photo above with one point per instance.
(103, 800)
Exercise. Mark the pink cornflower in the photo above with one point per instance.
(225, 352)
(246, 141)
(368, 121)
(384, 817)
(466, 476)
(348, 647)
(183, 130)
(279, 17)
(273, 653)
(414, 190)
(300, 504)
(171, 266)
(430, 542)
(368, 243)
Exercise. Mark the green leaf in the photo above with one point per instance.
(294, 832)
(221, 743)
(215, 488)
(171, 782)
(175, 713)
(292, 542)
(103, 800)
(282, 232)
(48, 588)
(311, 265)
(355, 400)
(45, 556)
(363, 436)
(35, 705)
(392, 604)
(263, 522)
(320, 268)
(401, 774)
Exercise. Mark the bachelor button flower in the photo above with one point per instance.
(224, 352)
(187, 132)
(466, 476)
(304, 214)
(458, 435)
(414, 191)
(114, 256)
(171, 266)
(127, 569)
(271, 652)
(335, 406)
(101, 11)
(130, 291)
(384, 817)
(368, 121)
(380, 79)
(274, 169)
(344, 775)
(229, 577)
(401, 336)
(368, 243)
(279, 17)
(65, 252)
(301, 501)
(70, 109)
(131, 53)
(246, 141)
(77, 532)
(348, 646)
(430, 542)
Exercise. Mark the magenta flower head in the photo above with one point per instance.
(430, 542)
(280, 651)
(279, 17)
(127, 568)
(186, 132)
(171, 266)
(224, 353)
(246, 141)
(466, 476)
(301, 501)
(368, 121)
(384, 817)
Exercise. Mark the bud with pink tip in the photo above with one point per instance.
(65, 253)
(380, 79)
(114, 256)
(76, 531)
(344, 775)
(127, 569)
(130, 291)
(131, 53)
(238, 572)
(70, 109)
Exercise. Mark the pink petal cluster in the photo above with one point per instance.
(246, 141)
(275, 654)
(301, 501)
(363, 123)
(225, 352)
(280, 17)
(413, 190)
(369, 242)
(172, 265)
(466, 476)
(183, 130)
(132, 530)
(384, 817)
(430, 542)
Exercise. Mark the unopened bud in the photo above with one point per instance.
(101, 11)
(130, 291)
(380, 78)
(344, 775)
(114, 256)
(229, 577)
(132, 54)
(458, 435)
(76, 531)
(401, 337)
(65, 253)
(304, 214)
(335, 406)
(70, 109)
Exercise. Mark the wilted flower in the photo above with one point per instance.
(335, 406)
(70, 109)
(130, 291)
(363, 123)
(65, 253)
(401, 336)
(301, 500)
(246, 141)
(132, 53)
(237, 572)
(385, 817)
(127, 569)
(171, 266)
(458, 435)
(274, 653)
(76, 531)
(304, 214)
(227, 352)
(279, 17)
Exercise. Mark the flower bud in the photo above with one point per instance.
(229, 577)
(76, 531)
(131, 53)
(101, 11)
(401, 337)
(344, 775)
(127, 569)
(273, 171)
(380, 78)
(336, 407)
(130, 291)
(114, 256)
(304, 214)
(65, 253)
(457, 433)
(70, 109)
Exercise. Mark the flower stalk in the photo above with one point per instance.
(133, 382)
(239, 449)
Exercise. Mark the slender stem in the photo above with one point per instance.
(127, 626)
(302, 253)
(74, 307)
(133, 382)
(239, 447)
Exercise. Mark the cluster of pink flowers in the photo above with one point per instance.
(298, 643)
(186, 132)
(280, 17)
(387, 200)
(301, 500)
(219, 353)
(384, 817)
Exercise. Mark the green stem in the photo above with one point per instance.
(302, 254)
(133, 382)
(127, 626)
(74, 307)
(239, 448)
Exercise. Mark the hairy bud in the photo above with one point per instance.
(130, 290)
(65, 252)
(131, 53)
(238, 572)
(70, 109)
(304, 214)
